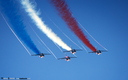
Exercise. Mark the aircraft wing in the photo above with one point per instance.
(91, 52)
(66, 51)
(35, 55)
(78, 49)
(73, 57)
(61, 58)
(103, 50)
(47, 54)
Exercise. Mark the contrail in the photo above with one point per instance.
(44, 43)
(58, 47)
(83, 46)
(29, 8)
(12, 11)
(16, 36)
(65, 34)
(92, 36)
(66, 15)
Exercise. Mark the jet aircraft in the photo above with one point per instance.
(41, 55)
(67, 58)
(98, 52)
(73, 51)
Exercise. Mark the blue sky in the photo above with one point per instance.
(105, 20)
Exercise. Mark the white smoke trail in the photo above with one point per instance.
(16, 36)
(29, 8)
(92, 37)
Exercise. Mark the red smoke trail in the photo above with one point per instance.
(65, 13)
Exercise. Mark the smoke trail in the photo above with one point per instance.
(40, 24)
(62, 31)
(10, 9)
(16, 36)
(65, 13)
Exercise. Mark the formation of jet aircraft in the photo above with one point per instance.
(68, 58)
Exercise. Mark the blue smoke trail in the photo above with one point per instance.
(11, 9)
